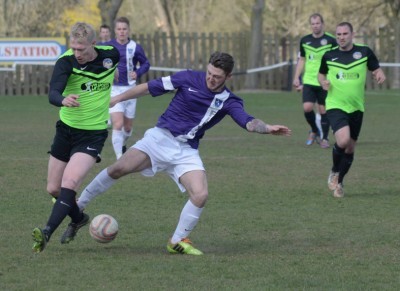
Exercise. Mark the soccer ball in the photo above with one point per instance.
(103, 228)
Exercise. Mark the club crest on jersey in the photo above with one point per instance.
(107, 63)
(357, 55)
(218, 102)
(324, 41)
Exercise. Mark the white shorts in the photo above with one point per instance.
(168, 155)
(128, 107)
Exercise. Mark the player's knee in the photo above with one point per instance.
(53, 190)
(117, 170)
(199, 198)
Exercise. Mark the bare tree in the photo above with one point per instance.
(109, 10)
(256, 43)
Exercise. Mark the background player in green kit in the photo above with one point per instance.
(343, 74)
(312, 47)
(81, 86)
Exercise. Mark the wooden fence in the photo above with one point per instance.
(192, 51)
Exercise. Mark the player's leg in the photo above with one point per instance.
(133, 161)
(309, 99)
(74, 172)
(77, 169)
(195, 182)
(129, 116)
(117, 137)
(59, 157)
(54, 177)
(321, 97)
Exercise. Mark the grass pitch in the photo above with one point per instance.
(270, 222)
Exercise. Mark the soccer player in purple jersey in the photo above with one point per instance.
(200, 102)
(104, 34)
(123, 113)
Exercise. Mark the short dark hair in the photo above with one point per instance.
(316, 15)
(105, 26)
(222, 61)
(345, 23)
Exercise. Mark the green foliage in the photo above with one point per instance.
(270, 222)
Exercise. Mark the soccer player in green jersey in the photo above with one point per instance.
(81, 86)
(343, 74)
(312, 47)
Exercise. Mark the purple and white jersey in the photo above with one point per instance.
(194, 108)
(131, 54)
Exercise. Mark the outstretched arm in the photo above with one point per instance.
(133, 93)
(259, 126)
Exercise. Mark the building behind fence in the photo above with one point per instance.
(192, 51)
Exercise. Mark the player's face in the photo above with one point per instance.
(105, 34)
(83, 50)
(121, 32)
(344, 38)
(316, 25)
(215, 78)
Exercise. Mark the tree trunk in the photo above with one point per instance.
(256, 42)
(109, 10)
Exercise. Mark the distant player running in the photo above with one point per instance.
(312, 47)
(343, 74)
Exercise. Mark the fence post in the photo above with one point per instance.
(290, 76)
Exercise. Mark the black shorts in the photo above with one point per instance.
(69, 140)
(338, 119)
(314, 94)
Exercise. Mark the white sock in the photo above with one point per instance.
(127, 135)
(188, 220)
(318, 123)
(101, 183)
(117, 142)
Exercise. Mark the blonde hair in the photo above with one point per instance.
(82, 31)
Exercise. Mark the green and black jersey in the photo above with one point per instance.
(347, 72)
(312, 49)
(91, 81)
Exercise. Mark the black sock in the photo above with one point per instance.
(337, 155)
(324, 126)
(345, 165)
(62, 207)
(310, 117)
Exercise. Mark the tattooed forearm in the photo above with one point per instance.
(257, 125)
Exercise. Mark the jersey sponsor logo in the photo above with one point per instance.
(357, 55)
(347, 76)
(95, 86)
(324, 41)
(107, 63)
